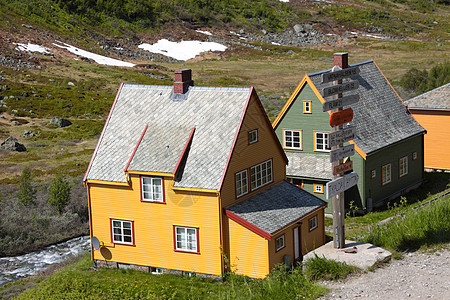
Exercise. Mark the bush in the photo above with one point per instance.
(422, 81)
(27, 193)
(59, 194)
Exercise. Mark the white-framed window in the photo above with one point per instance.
(414, 155)
(403, 166)
(261, 174)
(122, 232)
(279, 243)
(186, 239)
(321, 141)
(386, 173)
(152, 189)
(318, 188)
(253, 136)
(292, 139)
(373, 173)
(307, 107)
(241, 183)
(312, 223)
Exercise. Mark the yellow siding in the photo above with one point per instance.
(248, 251)
(153, 226)
(437, 139)
(315, 238)
(246, 156)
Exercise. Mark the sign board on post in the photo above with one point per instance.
(342, 136)
(341, 153)
(341, 117)
(343, 168)
(339, 75)
(340, 88)
(341, 184)
(339, 102)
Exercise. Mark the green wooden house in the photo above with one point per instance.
(389, 143)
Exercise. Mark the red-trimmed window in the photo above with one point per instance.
(186, 239)
(279, 243)
(241, 183)
(122, 232)
(152, 189)
(252, 136)
(261, 174)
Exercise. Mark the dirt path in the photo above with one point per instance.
(416, 276)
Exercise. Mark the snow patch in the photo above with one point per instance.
(32, 48)
(204, 32)
(100, 59)
(183, 50)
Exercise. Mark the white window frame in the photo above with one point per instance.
(280, 243)
(149, 189)
(241, 183)
(386, 173)
(186, 239)
(373, 173)
(261, 174)
(318, 188)
(289, 133)
(122, 232)
(325, 142)
(307, 106)
(403, 166)
(312, 223)
(252, 136)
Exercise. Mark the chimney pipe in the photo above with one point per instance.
(183, 79)
(341, 60)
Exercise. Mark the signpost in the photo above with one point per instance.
(337, 137)
(341, 117)
(341, 153)
(340, 169)
(339, 102)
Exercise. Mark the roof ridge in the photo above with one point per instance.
(352, 65)
(191, 87)
(421, 95)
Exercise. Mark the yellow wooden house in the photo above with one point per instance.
(432, 111)
(183, 177)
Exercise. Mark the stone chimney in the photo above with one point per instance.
(341, 60)
(183, 79)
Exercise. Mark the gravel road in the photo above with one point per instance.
(416, 276)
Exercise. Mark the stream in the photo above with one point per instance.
(16, 267)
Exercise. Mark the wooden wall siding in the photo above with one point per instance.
(374, 188)
(248, 251)
(357, 195)
(246, 156)
(294, 118)
(153, 225)
(437, 139)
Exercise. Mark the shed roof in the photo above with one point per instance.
(437, 99)
(214, 113)
(276, 207)
(308, 165)
(380, 117)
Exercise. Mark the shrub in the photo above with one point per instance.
(26, 193)
(59, 194)
(422, 81)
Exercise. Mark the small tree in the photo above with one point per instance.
(26, 194)
(59, 193)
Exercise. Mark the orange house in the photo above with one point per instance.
(432, 111)
(192, 179)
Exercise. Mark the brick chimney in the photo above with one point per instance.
(183, 79)
(341, 60)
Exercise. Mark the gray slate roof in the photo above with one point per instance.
(215, 114)
(276, 207)
(438, 99)
(380, 117)
(308, 165)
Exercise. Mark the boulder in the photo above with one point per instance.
(12, 144)
(60, 122)
(29, 134)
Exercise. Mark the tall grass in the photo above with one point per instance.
(419, 228)
(321, 268)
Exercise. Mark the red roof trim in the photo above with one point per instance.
(183, 154)
(103, 131)
(135, 148)
(235, 138)
(248, 225)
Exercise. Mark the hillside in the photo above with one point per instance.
(270, 45)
